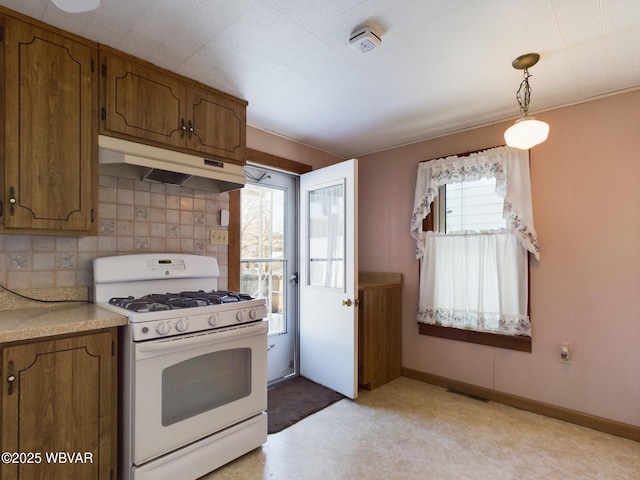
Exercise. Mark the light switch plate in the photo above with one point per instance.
(218, 237)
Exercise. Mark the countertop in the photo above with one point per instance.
(378, 280)
(36, 323)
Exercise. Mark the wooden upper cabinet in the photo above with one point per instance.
(144, 103)
(219, 124)
(51, 125)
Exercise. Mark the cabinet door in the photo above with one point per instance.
(61, 399)
(217, 125)
(143, 103)
(50, 130)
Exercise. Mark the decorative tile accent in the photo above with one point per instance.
(173, 230)
(65, 260)
(17, 261)
(142, 213)
(143, 244)
(107, 227)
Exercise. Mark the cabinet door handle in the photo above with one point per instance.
(12, 199)
(182, 127)
(10, 379)
(190, 129)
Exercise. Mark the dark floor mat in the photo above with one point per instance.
(291, 401)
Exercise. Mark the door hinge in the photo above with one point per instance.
(103, 113)
(1, 34)
(113, 348)
(93, 215)
(293, 278)
(1, 208)
(93, 66)
(104, 70)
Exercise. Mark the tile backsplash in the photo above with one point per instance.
(134, 217)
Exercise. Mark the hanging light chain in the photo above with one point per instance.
(523, 95)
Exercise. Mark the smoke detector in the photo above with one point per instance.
(364, 39)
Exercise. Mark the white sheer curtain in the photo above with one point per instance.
(477, 280)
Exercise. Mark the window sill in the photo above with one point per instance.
(520, 343)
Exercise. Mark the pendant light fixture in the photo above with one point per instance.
(527, 131)
(76, 6)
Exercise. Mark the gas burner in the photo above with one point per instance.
(218, 296)
(205, 298)
(228, 297)
(138, 304)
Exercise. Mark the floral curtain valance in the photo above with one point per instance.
(509, 166)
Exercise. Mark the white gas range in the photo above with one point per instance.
(193, 377)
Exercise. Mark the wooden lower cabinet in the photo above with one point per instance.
(59, 415)
(379, 328)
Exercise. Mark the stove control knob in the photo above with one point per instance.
(213, 320)
(163, 328)
(253, 314)
(182, 325)
(240, 316)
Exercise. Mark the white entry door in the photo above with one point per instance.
(328, 277)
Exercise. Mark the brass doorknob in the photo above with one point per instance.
(346, 302)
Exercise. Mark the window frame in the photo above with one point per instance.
(510, 342)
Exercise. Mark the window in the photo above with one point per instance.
(474, 267)
(470, 206)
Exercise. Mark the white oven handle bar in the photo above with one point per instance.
(154, 348)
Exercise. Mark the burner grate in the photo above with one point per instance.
(154, 302)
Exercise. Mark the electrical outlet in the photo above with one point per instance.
(218, 237)
(566, 353)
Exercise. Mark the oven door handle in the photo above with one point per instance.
(153, 348)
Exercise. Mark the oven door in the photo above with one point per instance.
(186, 388)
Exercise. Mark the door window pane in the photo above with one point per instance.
(265, 280)
(263, 213)
(263, 260)
(326, 237)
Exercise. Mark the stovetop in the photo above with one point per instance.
(169, 301)
(125, 284)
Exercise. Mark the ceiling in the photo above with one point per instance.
(443, 65)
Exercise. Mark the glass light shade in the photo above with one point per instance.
(76, 6)
(526, 133)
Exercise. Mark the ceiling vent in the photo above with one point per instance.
(364, 39)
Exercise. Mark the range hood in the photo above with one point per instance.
(122, 158)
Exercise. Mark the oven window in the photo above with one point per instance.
(204, 383)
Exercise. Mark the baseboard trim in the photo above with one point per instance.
(583, 419)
